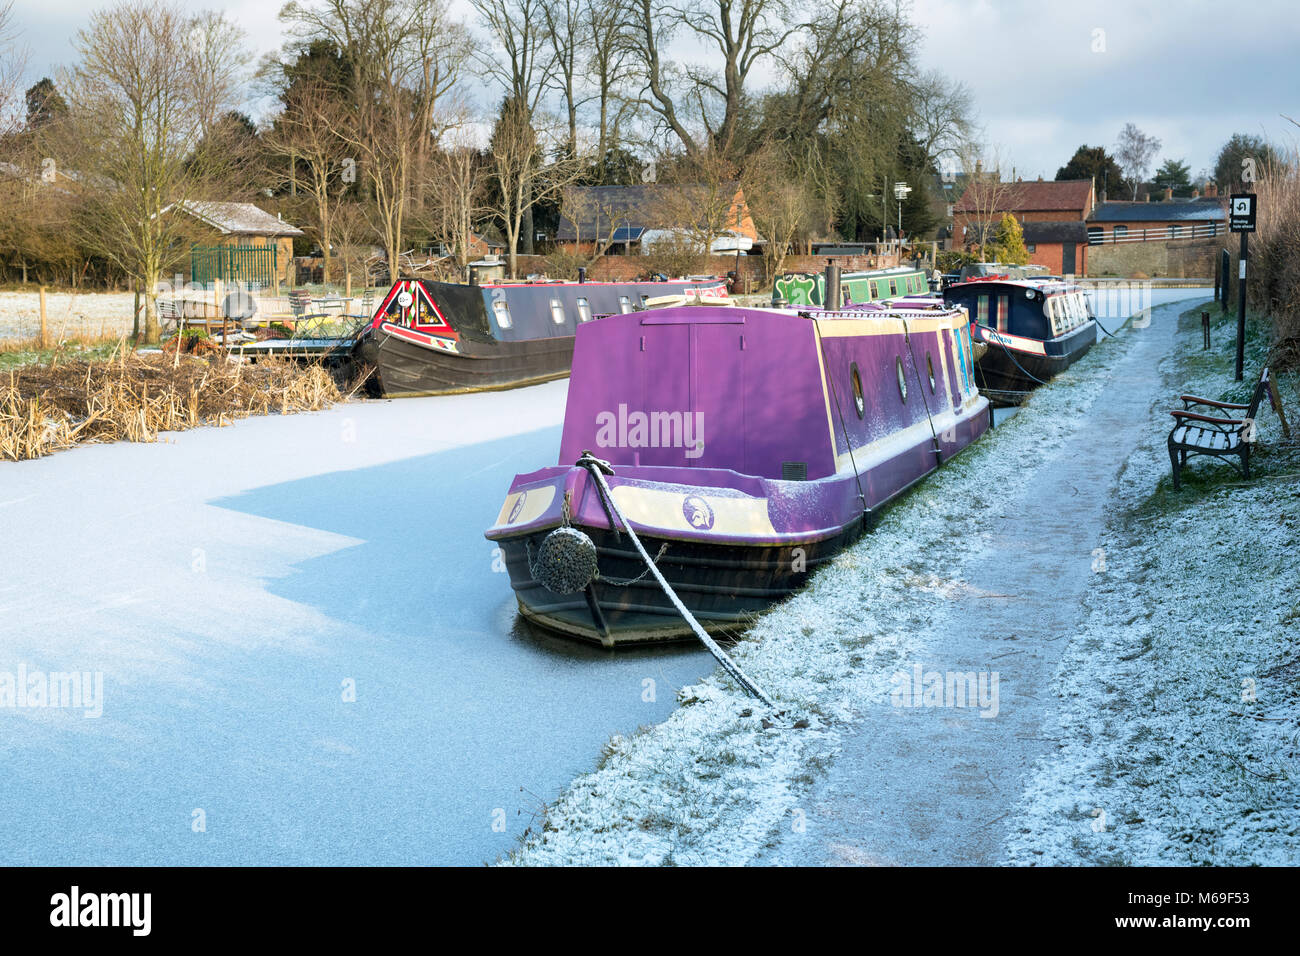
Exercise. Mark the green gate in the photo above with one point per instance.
(252, 265)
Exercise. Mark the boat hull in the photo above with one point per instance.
(1004, 366)
(404, 367)
(725, 586)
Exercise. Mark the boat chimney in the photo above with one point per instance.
(582, 274)
(833, 299)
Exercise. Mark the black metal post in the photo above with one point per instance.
(1241, 308)
(1205, 330)
(1225, 263)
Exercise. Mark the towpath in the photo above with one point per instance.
(936, 785)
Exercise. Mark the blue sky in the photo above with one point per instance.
(1042, 81)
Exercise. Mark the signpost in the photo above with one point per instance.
(1241, 218)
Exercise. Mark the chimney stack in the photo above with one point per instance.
(1169, 193)
(1211, 190)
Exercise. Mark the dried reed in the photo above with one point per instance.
(131, 397)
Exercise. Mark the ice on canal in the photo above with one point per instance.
(237, 587)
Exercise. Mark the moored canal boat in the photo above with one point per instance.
(803, 289)
(1033, 329)
(746, 447)
(429, 338)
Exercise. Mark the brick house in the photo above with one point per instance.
(1052, 215)
(1201, 217)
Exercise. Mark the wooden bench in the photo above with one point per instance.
(1204, 426)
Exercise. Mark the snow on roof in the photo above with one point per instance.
(240, 218)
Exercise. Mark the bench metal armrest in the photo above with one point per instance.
(1190, 400)
(1231, 424)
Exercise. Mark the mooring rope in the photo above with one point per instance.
(1013, 358)
(598, 469)
(907, 339)
(830, 378)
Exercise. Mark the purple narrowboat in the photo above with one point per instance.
(746, 447)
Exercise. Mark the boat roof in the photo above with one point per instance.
(1039, 283)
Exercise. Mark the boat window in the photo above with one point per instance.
(557, 311)
(929, 366)
(502, 311)
(893, 287)
(584, 310)
(875, 290)
(1004, 306)
(902, 381)
(982, 309)
(859, 400)
(624, 304)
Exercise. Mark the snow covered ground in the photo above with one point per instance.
(1178, 725)
(69, 315)
(718, 782)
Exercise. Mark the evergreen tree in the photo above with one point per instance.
(1008, 245)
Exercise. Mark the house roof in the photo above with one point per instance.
(1062, 232)
(1196, 210)
(240, 218)
(1069, 195)
(631, 210)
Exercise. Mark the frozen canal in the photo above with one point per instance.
(233, 585)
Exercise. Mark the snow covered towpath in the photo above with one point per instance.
(969, 591)
(928, 776)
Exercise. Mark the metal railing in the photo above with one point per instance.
(1098, 236)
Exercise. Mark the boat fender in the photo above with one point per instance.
(566, 561)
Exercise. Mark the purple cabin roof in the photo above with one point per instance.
(698, 387)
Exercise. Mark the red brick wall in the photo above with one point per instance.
(1052, 255)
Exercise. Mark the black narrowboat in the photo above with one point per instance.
(430, 338)
(1032, 330)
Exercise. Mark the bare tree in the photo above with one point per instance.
(12, 63)
(698, 198)
(606, 25)
(137, 104)
(1135, 151)
(780, 202)
(306, 136)
(739, 34)
(522, 175)
(521, 56)
(405, 58)
(460, 180)
(943, 110)
(986, 194)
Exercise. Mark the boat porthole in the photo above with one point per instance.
(902, 381)
(859, 400)
(929, 365)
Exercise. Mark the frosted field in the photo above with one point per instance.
(68, 315)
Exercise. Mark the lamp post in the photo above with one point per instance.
(900, 193)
